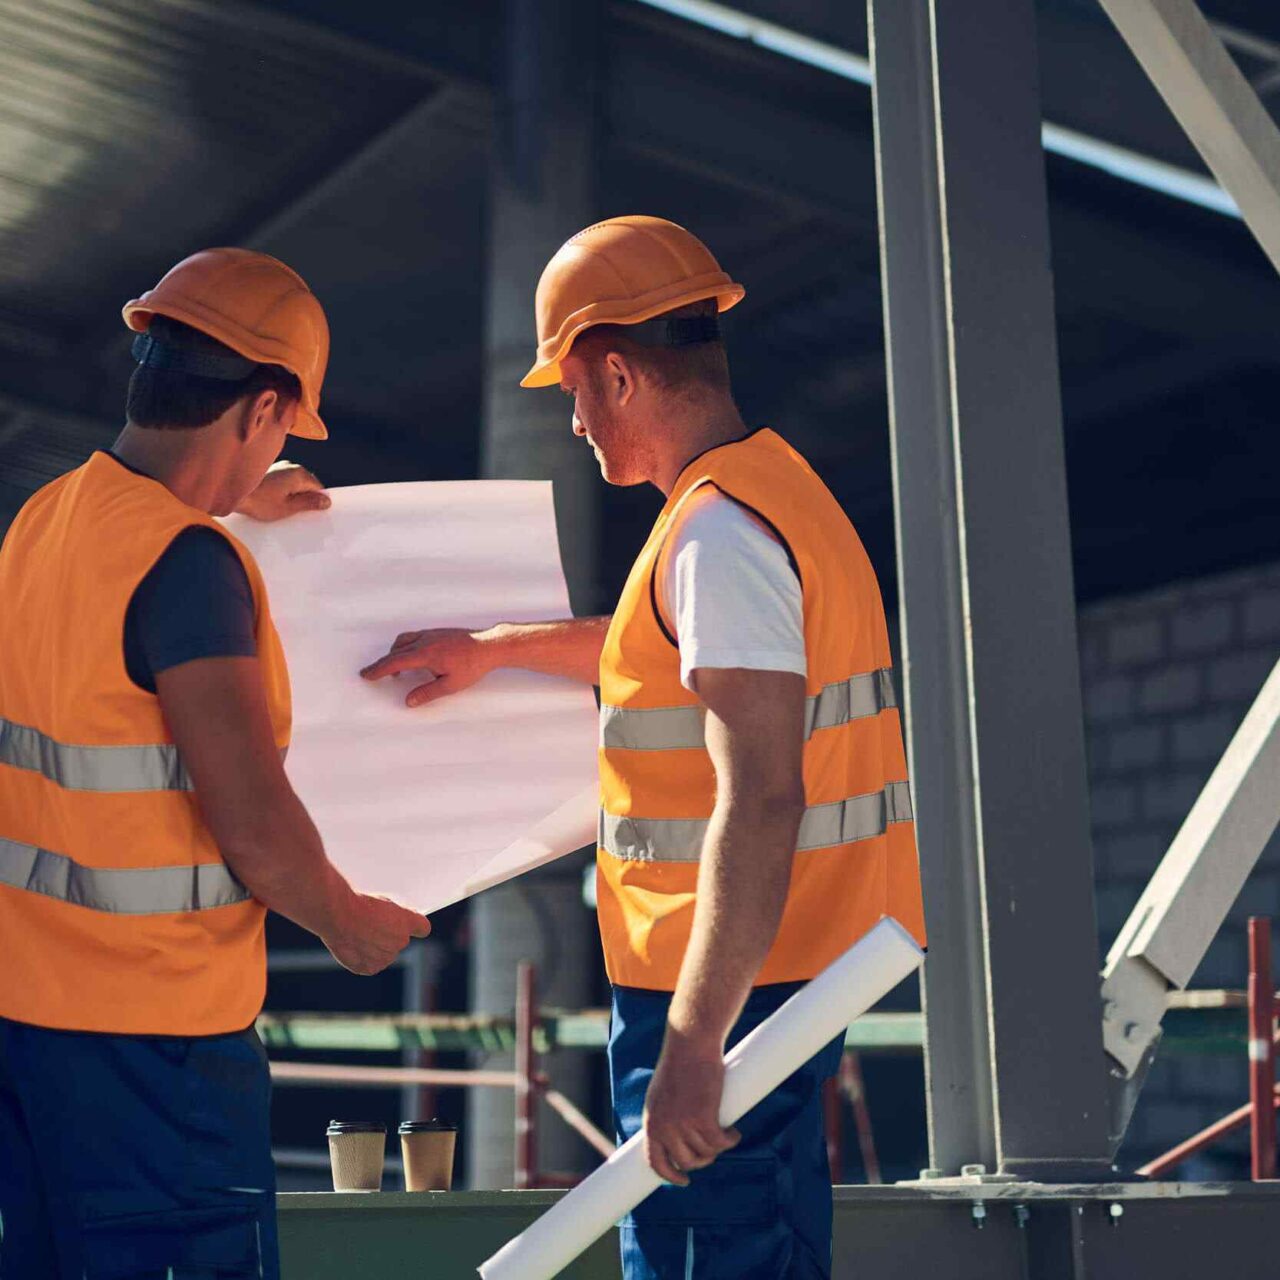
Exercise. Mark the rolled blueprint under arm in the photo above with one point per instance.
(815, 1015)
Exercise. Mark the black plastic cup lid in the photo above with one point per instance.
(356, 1126)
(427, 1126)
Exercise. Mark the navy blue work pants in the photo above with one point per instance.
(763, 1210)
(135, 1157)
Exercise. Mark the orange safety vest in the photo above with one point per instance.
(117, 912)
(855, 857)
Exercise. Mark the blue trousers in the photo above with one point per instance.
(763, 1210)
(134, 1157)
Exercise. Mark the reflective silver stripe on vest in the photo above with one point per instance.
(154, 767)
(823, 825)
(132, 891)
(852, 699)
(654, 729)
(679, 728)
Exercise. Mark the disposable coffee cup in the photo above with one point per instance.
(427, 1148)
(357, 1149)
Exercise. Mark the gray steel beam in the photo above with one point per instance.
(958, 1069)
(1016, 1078)
(1216, 106)
(453, 113)
(722, 128)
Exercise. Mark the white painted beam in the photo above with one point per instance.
(1213, 102)
(1196, 883)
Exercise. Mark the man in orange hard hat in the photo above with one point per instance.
(146, 823)
(755, 813)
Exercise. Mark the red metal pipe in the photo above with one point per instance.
(833, 1117)
(1229, 1123)
(856, 1089)
(526, 1068)
(1262, 1062)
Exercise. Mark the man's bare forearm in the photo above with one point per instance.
(566, 648)
(743, 880)
(281, 860)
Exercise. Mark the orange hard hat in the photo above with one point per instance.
(253, 304)
(621, 271)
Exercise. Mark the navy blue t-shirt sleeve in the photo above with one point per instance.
(195, 602)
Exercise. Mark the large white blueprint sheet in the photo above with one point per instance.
(435, 804)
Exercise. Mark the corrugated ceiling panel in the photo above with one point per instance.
(131, 134)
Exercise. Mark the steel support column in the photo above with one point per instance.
(1014, 1045)
(542, 190)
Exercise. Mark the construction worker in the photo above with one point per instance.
(146, 823)
(755, 815)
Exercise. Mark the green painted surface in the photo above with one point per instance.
(403, 1236)
(1194, 1031)
(874, 1032)
(1205, 1031)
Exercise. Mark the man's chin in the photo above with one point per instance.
(619, 479)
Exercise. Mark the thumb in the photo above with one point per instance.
(421, 926)
(310, 500)
(432, 691)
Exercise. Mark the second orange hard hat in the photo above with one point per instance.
(257, 306)
(621, 271)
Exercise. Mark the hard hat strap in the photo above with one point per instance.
(675, 331)
(155, 354)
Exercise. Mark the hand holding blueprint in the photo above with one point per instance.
(432, 805)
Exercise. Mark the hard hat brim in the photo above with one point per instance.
(308, 425)
(545, 371)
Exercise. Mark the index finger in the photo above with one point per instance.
(389, 665)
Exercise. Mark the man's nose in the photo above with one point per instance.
(578, 428)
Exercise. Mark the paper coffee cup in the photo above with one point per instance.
(357, 1149)
(427, 1148)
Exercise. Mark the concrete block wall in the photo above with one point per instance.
(1167, 677)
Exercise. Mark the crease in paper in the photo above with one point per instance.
(435, 804)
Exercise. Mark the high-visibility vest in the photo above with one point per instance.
(117, 912)
(855, 858)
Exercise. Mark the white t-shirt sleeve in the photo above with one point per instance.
(728, 586)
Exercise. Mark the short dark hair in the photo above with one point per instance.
(671, 368)
(171, 398)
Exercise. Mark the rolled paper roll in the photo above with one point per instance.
(815, 1015)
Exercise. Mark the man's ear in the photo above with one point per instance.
(267, 409)
(258, 412)
(620, 377)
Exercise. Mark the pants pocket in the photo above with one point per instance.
(192, 1244)
(733, 1192)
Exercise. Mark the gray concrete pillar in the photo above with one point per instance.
(542, 190)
